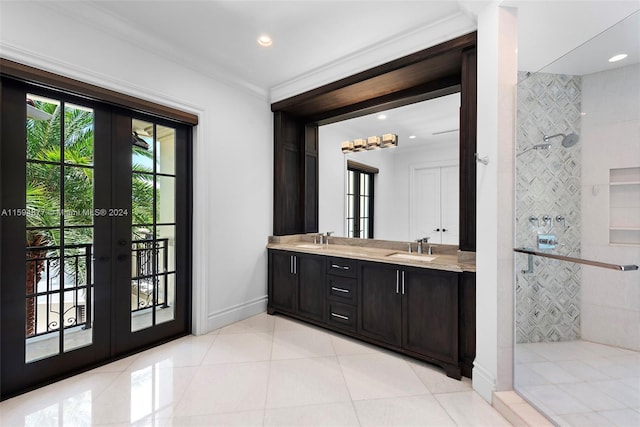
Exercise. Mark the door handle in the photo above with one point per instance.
(102, 258)
(402, 282)
(122, 242)
(122, 257)
(340, 316)
(397, 281)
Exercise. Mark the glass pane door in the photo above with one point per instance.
(95, 234)
(153, 224)
(59, 232)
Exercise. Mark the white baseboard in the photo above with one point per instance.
(236, 313)
(483, 382)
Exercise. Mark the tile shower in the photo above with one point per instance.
(548, 185)
(577, 331)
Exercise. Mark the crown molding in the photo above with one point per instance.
(73, 71)
(113, 25)
(403, 44)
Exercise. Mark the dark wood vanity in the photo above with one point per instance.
(425, 313)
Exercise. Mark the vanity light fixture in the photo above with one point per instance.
(359, 144)
(347, 147)
(265, 41)
(389, 140)
(619, 57)
(371, 143)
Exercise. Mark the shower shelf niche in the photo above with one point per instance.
(624, 206)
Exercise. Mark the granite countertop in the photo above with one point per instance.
(444, 257)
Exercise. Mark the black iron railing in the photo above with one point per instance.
(58, 293)
(149, 283)
(61, 293)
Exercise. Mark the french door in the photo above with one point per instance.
(95, 260)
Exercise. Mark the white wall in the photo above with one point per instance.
(497, 76)
(610, 310)
(232, 156)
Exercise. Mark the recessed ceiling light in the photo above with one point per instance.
(619, 57)
(265, 40)
(412, 137)
(382, 117)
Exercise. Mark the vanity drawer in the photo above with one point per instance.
(342, 267)
(342, 289)
(342, 315)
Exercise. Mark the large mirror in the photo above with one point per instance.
(400, 193)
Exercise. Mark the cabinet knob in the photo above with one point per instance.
(437, 229)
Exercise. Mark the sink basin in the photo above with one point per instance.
(309, 246)
(412, 257)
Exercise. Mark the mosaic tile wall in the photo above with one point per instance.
(548, 183)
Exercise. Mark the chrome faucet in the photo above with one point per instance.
(328, 234)
(324, 237)
(421, 242)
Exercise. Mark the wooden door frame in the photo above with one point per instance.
(443, 69)
(12, 230)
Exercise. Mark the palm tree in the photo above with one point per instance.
(44, 198)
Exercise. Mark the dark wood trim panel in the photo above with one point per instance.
(468, 149)
(33, 75)
(467, 322)
(422, 57)
(437, 71)
(311, 178)
(361, 167)
(288, 176)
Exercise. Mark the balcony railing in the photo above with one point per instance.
(53, 298)
(149, 284)
(51, 303)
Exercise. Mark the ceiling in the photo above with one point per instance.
(422, 120)
(220, 37)
(215, 36)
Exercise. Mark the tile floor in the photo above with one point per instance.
(265, 370)
(46, 345)
(580, 383)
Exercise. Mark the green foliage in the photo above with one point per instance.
(44, 198)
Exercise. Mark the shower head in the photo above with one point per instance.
(567, 140)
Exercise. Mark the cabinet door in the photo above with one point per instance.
(430, 314)
(425, 205)
(312, 294)
(450, 205)
(283, 282)
(381, 303)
